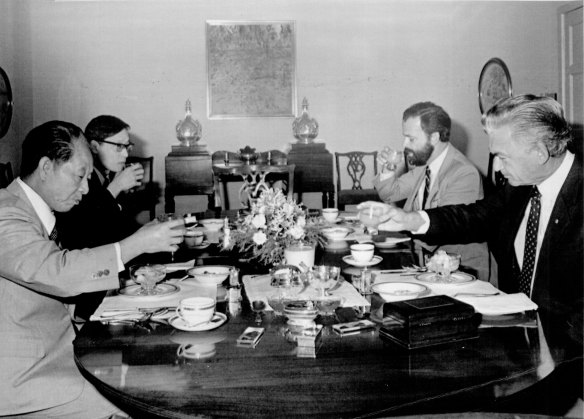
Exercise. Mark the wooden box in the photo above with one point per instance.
(428, 321)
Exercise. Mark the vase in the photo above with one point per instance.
(296, 254)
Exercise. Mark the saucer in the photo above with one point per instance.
(391, 242)
(217, 320)
(456, 278)
(162, 290)
(351, 261)
(335, 221)
(203, 245)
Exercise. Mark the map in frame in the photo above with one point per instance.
(251, 69)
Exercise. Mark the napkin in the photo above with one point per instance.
(180, 266)
(123, 307)
(259, 288)
(500, 304)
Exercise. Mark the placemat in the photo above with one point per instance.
(258, 287)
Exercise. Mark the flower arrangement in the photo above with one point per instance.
(274, 223)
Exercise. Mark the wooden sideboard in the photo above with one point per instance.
(314, 171)
(188, 172)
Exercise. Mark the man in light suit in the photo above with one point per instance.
(534, 226)
(38, 375)
(452, 178)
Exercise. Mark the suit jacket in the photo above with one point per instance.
(37, 369)
(457, 182)
(95, 221)
(559, 274)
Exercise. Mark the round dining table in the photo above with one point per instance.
(146, 370)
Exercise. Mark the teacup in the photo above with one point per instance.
(196, 310)
(330, 214)
(194, 237)
(362, 252)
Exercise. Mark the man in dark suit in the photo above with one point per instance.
(534, 225)
(109, 141)
(38, 375)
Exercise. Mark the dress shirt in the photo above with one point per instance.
(434, 169)
(47, 217)
(549, 190)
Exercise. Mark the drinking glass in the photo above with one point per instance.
(169, 216)
(326, 277)
(258, 307)
(370, 217)
(147, 276)
(394, 158)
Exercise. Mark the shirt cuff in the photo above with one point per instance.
(121, 266)
(386, 175)
(424, 227)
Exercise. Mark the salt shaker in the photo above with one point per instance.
(226, 234)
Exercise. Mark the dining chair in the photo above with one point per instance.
(146, 196)
(354, 170)
(6, 175)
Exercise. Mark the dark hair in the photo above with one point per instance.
(53, 139)
(532, 119)
(104, 126)
(432, 119)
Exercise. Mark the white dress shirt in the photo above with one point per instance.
(549, 190)
(48, 219)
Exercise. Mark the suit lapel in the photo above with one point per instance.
(412, 203)
(17, 190)
(441, 174)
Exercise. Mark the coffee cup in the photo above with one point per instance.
(194, 237)
(330, 214)
(362, 252)
(196, 310)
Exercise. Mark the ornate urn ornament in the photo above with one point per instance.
(189, 130)
(305, 128)
(248, 154)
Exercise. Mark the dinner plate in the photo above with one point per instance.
(217, 320)
(398, 291)
(391, 242)
(456, 278)
(162, 290)
(351, 261)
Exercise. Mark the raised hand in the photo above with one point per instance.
(153, 238)
(127, 179)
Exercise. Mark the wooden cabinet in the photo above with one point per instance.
(314, 171)
(188, 172)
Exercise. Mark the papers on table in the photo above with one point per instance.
(487, 305)
(259, 288)
(128, 308)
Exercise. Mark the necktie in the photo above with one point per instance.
(54, 236)
(530, 243)
(426, 187)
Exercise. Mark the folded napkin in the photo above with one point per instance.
(128, 307)
(498, 305)
(259, 288)
(180, 266)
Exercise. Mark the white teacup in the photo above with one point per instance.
(330, 214)
(194, 237)
(196, 310)
(362, 252)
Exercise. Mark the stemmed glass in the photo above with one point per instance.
(169, 216)
(326, 278)
(370, 217)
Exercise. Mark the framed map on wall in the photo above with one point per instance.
(251, 69)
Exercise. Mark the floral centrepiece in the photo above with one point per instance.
(274, 223)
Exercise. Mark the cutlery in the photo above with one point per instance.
(471, 294)
(183, 278)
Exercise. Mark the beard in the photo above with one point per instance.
(419, 157)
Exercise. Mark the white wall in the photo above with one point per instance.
(359, 63)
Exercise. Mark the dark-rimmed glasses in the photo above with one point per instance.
(119, 147)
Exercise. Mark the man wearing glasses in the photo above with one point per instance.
(101, 217)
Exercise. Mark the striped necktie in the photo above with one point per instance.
(530, 243)
(426, 187)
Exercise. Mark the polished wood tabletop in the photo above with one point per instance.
(141, 368)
